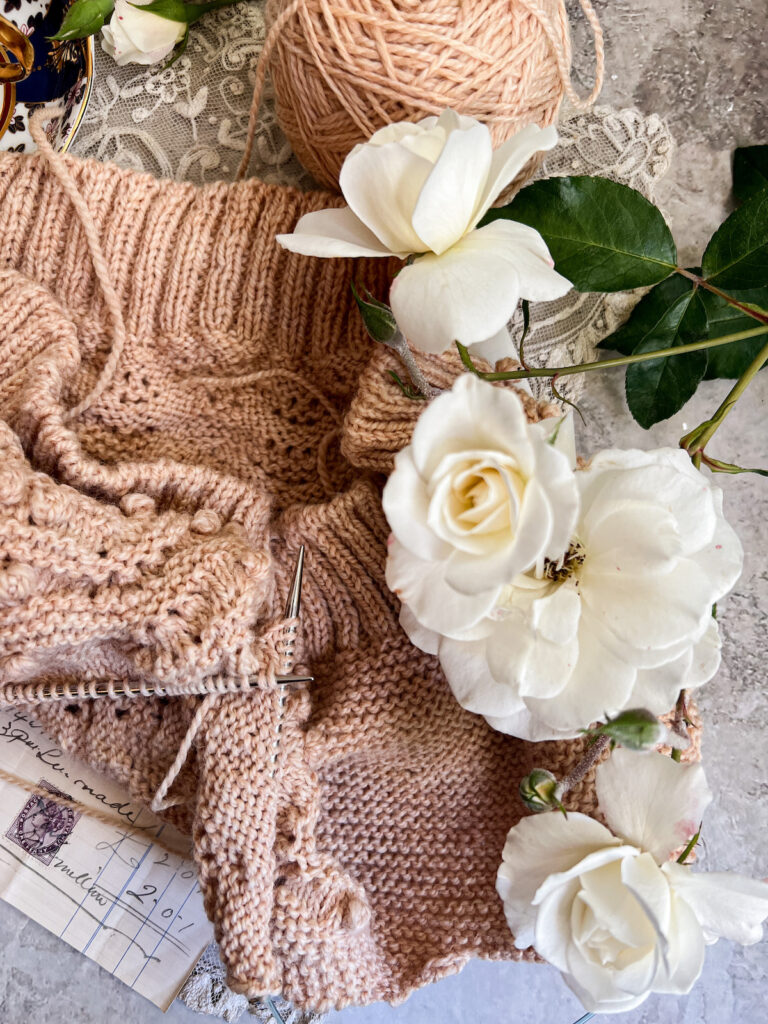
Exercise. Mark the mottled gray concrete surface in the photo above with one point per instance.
(703, 66)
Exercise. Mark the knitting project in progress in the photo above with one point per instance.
(158, 475)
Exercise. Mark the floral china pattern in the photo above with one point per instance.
(62, 72)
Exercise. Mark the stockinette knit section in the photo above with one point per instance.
(347, 836)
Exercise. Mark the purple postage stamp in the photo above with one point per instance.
(42, 826)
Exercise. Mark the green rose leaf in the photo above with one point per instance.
(604, 237)
(750, 171)
(732, 360)
(84, 18)
(187, 13)
(737, 254)
(658, 388)
(651, 319)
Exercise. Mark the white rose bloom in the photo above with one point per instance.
(609, 908)
(140, 37)
(421, 189)
(479, 496)
(624, 620)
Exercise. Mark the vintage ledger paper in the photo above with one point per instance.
(124, 895)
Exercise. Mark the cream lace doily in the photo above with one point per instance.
(630, 148)
(189, 122)
(205, 991)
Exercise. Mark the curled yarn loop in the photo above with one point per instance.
(343, 70)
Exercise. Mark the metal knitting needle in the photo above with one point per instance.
(293, 607)
(276, 1015)
(69, 691)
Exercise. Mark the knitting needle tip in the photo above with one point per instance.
(293, 604)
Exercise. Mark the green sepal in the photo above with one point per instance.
(689, 848)
(406, 389)
(178, 50)
(728, 467)
(378, 318)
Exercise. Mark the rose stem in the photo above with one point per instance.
(679, 722)
(702, 282)
(591, 757)
(605, 364)
(696, 441)
(400, 345)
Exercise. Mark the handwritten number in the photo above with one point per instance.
(147, 890)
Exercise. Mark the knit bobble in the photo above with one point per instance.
(137, 504)
(355, 914)
(17, 581)
(205, 521)
(17, 668)
(46, 508)
(12, 483)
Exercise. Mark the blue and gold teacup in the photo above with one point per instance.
(37, 71)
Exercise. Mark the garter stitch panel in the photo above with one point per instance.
(347, 838)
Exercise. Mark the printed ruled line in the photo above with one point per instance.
(146, 922)
(165, 933)
(85, 895)
(127, 882)
(66, 895)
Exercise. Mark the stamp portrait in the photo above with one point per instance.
(43, 826)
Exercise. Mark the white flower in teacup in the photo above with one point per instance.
(623, 619)
(140, 37)
(420, 190)
(607, 906)
(478, 496)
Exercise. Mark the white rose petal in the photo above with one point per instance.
(478, 496)
(140, 37)
(537, 848)
(726, 905)
(420, 189)
(618, 923)
(469, 292)
(625, 788)
(624, 619)
(333, 233)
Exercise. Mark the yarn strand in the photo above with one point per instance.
(58, 166)
(561, 48)
(258, 86)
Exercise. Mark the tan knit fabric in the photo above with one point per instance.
(348, 837)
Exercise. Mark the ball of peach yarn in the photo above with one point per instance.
(344, 68)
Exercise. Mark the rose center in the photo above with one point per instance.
(482, 499)
(566, 566)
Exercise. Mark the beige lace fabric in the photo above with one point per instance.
(205, 991)
(190, 121)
